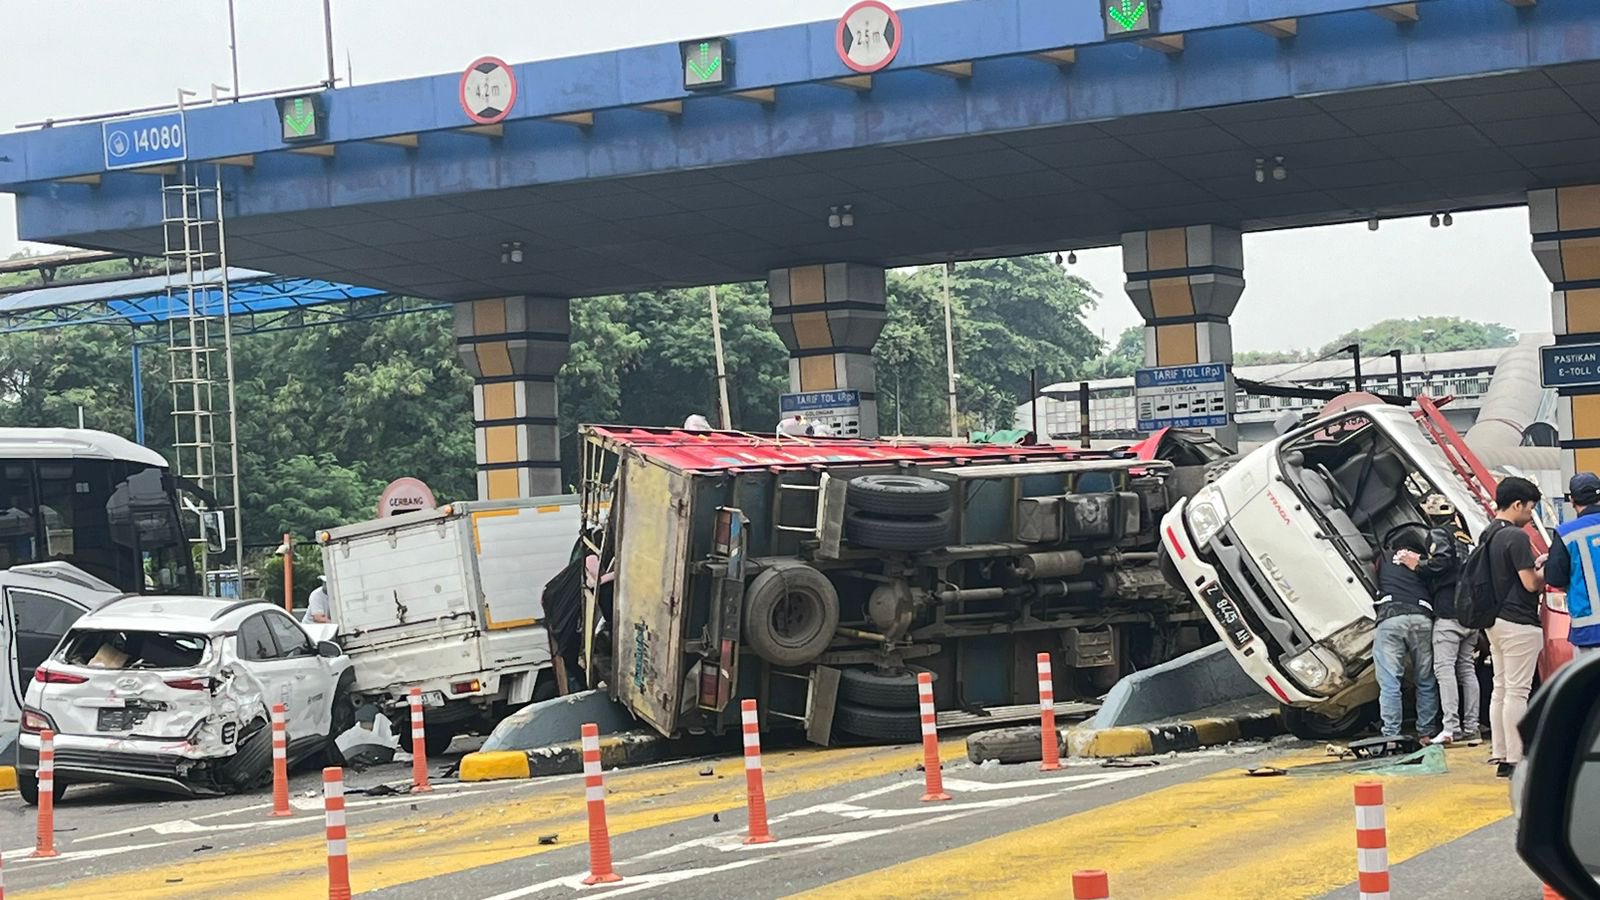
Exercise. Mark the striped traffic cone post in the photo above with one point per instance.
(1091, 884)
(933, 778)
(333, 815)
(1372, 842)
(280, 761)
(1048, 738)
(46, 843)
(755, 793)
(594, 789)
(419, 745)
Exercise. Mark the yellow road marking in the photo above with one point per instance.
(1219, 837)
(406, 849)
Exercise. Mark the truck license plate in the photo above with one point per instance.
(433, 699)
(1228, 616)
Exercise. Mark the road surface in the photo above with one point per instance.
(849, 821)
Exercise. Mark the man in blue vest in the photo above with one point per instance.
(1575, 559)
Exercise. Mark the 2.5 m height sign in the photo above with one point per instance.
(146, 141)
(1182, 396)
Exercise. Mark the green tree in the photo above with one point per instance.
(1430, 334)
(1124, 357)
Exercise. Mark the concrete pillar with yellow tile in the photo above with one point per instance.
(829, 316)
(1566, 242)
(1185, 282)
(514, 346)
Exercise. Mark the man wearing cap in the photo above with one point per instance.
(317, 607)
(1454, 644)
(1574, 560)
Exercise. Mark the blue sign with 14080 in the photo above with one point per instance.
(147, 141)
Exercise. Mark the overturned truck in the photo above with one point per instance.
(820, 576)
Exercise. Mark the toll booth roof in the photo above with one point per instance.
(716, 451)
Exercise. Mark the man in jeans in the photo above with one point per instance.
(1453, 643)
(1574, 560)
(1405, 632)
(1516, 637)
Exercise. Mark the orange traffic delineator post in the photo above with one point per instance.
(1550, 893)
(1048, 737)
(280, 761)
(594, 791)
(46, 844)
(419, 745)
(932, 777)
(1091, 884)
(333, 814)
(756, 794)
(1372, 842)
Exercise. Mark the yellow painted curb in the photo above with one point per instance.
(494, 765)
(1216, 731)
(8, 778)
(1108, 742)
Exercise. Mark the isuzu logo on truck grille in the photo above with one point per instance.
(1276, 574)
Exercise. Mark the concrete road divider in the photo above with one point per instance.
(594, 793)
(419, 745)
(1049, 740)
(1091, 884)
(1372, 842)
(46, 843)
(333, 821)
(631, 749)
(755, 793)
(1163, 737)
(280, 761)
(933, 775)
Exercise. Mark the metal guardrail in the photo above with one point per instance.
(216, 98)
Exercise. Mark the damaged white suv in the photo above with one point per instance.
(174, 693)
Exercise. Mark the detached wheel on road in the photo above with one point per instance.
(869, 687)
(28, 787)
(791, 612)
(898, 725)
(907, 535)
(899, 495)
(1311, 726)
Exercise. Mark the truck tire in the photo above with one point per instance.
(899, 495)
(899, 725)
(1310, 726)
(437, 740)
(1007, 745)
(869, 687)
(908, 535)
(791, 611)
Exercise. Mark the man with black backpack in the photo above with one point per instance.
(1499, 590)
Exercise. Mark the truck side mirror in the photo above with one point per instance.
(1558, 833)
(214, 525)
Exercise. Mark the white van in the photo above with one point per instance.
(449, 601)
(1281, 553)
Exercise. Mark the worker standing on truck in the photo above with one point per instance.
(1454, 644)
(1574, 561)
(1405, 632)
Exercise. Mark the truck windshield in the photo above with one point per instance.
(1364, 482)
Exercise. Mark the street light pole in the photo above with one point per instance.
(233, 50)
(722, 371)
(950, 351)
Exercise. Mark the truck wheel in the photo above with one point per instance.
(28, 787)
(791, 611)
(899, 725)
(869, 687)
(899, 495)
(906, 535)
(437, 740)
(1311, 726)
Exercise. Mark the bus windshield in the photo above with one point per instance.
(115, 519)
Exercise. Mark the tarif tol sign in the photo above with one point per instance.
(1570, 365)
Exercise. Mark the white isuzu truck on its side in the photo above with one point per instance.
(1281, 553)
(449, 601)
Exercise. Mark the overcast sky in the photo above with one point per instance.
(72, 57)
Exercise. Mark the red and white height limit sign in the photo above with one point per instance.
(488, 90)
(868, 36)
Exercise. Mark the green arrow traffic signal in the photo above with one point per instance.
(1128, 14)
(302, 120)
(705, 68)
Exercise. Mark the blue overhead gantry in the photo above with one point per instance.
(993, 127)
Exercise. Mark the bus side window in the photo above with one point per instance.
(17, 508)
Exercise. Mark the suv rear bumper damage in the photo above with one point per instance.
(154, 764)
(1236, 612)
